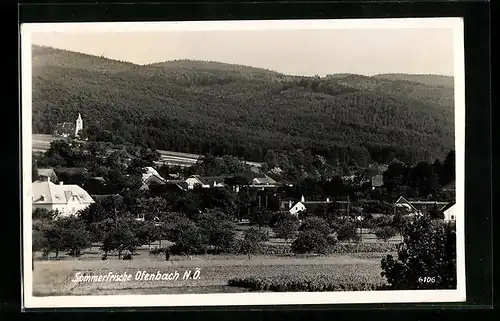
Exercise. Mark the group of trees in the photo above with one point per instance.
(220, 110)
(119, 167)
(424, 180)
(426, 259)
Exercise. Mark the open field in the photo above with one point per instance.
(53, 277)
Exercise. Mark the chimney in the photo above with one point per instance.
(290, 204)
(61, 182)
(302, 199)
(48, 179)
(328, 200)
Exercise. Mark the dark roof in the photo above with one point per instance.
(447, 206)
(65, 128)
(210, 180)
(48, 172)
(104, 196)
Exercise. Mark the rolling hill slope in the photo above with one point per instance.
(207, 107)
(430, 80)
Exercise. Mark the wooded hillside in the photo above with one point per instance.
(210, 107)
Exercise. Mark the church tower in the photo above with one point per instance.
(79, 124)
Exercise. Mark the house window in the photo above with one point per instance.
(453, 217)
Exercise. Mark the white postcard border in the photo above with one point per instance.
(288, 298)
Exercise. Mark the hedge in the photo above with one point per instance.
(317, 283)
(273, 249)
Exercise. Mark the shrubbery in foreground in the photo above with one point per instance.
(304, 283)
(426, 259)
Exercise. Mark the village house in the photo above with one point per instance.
(450, 212)
(295, 208)
(205, 181)
(418, 207)
(151, 177)
(67, 199)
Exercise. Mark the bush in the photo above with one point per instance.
(157, 250)
(385, 233)
(310, 241)
(287, 227)
(365, 248)
(315, 224)
(347, 231)
(316, 283)
(277, 217)
(426, 259)
(192, 240)
(252, 241)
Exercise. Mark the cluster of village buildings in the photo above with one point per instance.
(52, 194)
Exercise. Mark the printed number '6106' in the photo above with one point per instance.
(427, 279)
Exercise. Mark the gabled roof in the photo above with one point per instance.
(210, 180)
(421, 205)
(153, 179)
(48, 172)
(297, 204)
(46, 192)
(65, 128)
(263, 179)
(448, 206)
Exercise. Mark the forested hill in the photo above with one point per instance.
(210, 107)
(431, 80)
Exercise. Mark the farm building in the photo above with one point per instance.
(151, 177)
(450, 212)
(418, 207)
(67, 199)
(205, 181)
(296, 207)
(67, 129)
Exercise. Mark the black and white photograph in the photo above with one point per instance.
(243, 162)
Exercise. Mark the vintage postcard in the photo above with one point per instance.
(243, 162)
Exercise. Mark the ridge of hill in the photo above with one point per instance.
(211, 107)
(430, 80)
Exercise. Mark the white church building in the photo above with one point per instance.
(68, 129)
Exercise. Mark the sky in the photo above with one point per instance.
(294, 52)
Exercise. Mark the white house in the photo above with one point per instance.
(300, 206)
(450, 214)
(67, 199)
(297, 208)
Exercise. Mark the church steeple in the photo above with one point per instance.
(79, 124)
